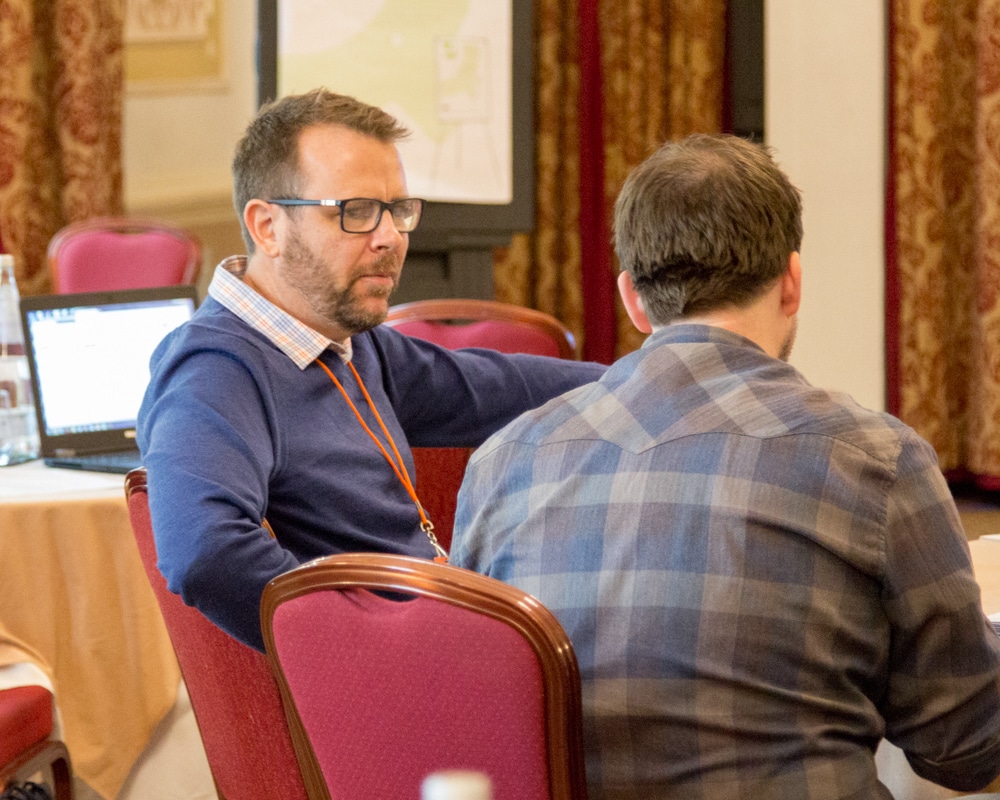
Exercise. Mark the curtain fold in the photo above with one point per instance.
(661, 75)
(61, 87)
(596, 265)
(984, 399)
(663, 70)
(542, 270)
(943, 277)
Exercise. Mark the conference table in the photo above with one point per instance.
(75, 606)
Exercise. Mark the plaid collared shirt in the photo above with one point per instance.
(760, 578)
(296, 340)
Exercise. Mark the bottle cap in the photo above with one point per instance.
(456, 785)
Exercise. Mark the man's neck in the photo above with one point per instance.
(761, 322)
(261, 280)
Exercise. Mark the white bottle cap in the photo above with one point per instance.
(456, 785)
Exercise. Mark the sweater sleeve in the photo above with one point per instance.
(458, 398)
(208, 497)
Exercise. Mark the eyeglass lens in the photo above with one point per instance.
(362, 215)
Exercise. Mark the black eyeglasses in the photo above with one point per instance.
(363, 214)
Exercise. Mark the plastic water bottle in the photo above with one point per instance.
(456, 785)
(18, 429)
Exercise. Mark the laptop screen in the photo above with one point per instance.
(90, 354)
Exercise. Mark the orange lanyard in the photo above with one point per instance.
(395, 460)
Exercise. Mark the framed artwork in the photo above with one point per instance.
(174, 45)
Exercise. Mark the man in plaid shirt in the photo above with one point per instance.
(761, 579)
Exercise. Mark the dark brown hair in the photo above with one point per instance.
(705, 223)
(266, 160)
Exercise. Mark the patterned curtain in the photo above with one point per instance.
(613, 80)
(943, 230)
(61, 86)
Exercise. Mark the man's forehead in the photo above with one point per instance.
(331, 135)
(343, 164)
(339, 151)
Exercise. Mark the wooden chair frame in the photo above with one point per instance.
(48, 753)
(465, 589)
(473, 310)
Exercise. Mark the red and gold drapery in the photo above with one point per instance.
(943, 230)
(613, 80)
(61, 87)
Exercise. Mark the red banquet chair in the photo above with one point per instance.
(461, 322)
(25, 747)
(233, 694)
(469, 673)
(112, 253)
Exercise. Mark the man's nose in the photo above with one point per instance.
(385, 234)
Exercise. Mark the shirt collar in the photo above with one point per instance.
(295, 339)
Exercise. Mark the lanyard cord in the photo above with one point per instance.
(396, 463)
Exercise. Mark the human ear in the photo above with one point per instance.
(791, 286)
(261, 222)
(633, 303)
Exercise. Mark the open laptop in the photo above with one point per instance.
(89, 361)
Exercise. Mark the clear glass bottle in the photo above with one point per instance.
(456, 785)
(18, 429)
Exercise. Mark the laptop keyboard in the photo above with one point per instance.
(99, 462)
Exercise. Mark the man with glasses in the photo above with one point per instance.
(278, 423)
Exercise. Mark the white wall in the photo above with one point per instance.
(824, 116)
(177, 146)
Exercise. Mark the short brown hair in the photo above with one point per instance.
(705, 223)
(266, 160)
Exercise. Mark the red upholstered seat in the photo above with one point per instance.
(25, 749)
(25, 719)
(439, 475)
(456, 323)
(469, 674)
(483, 334)
(112, 253)
(460, 322)
(233, 694)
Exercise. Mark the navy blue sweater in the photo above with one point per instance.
(232, 431)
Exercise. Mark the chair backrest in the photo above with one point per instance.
(25, 746)
(455, 323)
(111, 253)
(233, 693)
(470, 673)
(459, 322)
(440, 471)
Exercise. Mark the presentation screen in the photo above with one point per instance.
(457, 73)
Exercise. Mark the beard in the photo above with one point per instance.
(786, 346)
(347, 306)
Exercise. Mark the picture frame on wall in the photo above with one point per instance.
(174, 46)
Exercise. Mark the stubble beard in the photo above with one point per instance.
(344, 307)
(785, 352)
